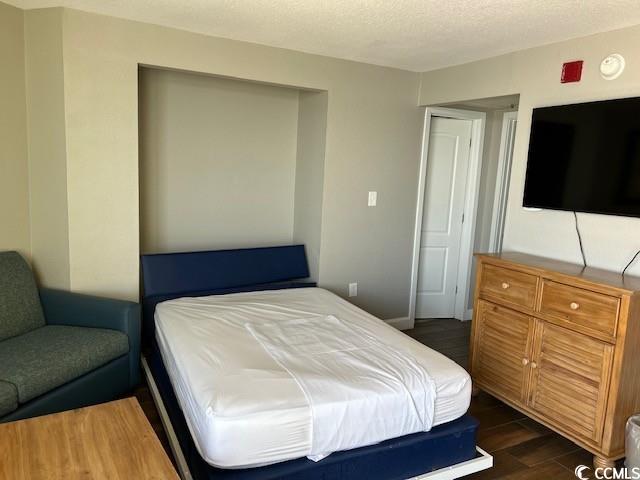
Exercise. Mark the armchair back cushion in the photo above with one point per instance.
(20, 309)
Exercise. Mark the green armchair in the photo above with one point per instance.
(61, 350)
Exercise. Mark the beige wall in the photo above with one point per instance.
(535, 74)
(14, 174)
(47, 146)
(372, 143)
(312, 135)
(217, 162)
(82, 91)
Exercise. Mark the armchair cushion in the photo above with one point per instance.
(8, 398)
(53, 355)
(79, 310)
(20, 309)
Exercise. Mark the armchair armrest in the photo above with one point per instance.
(68, 308)
(75, 309)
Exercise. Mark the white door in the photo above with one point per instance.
(442, 218)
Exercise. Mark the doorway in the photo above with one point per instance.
(447, 198)
(448, 270)
(503, 175)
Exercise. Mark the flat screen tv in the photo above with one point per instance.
(585, 158)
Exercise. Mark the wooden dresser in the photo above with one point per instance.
(560, 343)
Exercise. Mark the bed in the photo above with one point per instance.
(235, 409)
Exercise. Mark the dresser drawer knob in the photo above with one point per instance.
(534, 365)
(574, 305)
(525, 361)
(505, 285)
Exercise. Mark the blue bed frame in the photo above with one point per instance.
(174, 275)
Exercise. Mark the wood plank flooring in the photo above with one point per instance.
(522, 449)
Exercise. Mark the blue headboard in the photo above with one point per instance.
(166, 276)
(175, 273)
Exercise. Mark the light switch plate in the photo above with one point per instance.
(353, 289)
(373, 199)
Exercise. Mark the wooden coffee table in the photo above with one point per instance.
(109, 441)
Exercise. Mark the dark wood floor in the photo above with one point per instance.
(522, 448)
(448, 336)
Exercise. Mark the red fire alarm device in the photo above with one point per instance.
(571, 72)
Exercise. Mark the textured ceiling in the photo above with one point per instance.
(416, 35)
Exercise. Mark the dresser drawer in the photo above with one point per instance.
(584, 308)
(510, 286)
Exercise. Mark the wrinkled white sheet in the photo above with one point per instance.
(360, 390)
(243, 408)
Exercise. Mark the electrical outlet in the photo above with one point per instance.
(372, 199)
(353, 289)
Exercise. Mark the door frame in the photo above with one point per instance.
(478, 120)
(505, 159)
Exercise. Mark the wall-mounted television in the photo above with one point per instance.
(585, 157)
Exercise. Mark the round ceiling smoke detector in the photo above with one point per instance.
(612, 66)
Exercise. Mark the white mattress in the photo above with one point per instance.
(243, 409)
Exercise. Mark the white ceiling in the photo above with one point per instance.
(415, 35)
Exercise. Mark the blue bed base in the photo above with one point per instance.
(168, 276)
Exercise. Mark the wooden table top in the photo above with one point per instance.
(109, 441)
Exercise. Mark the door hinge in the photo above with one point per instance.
(456, 289)
(463, 218)
(470, 141)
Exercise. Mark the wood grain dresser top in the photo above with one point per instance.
(557, 268)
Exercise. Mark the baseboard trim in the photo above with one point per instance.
(401, 323)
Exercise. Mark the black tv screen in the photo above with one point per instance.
(585, 158)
